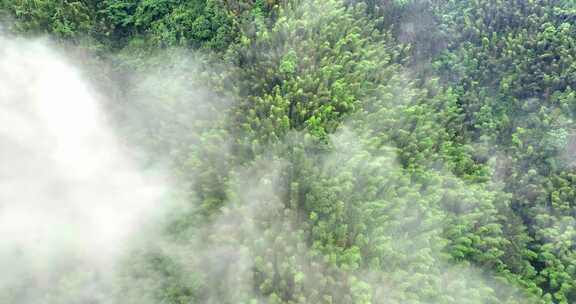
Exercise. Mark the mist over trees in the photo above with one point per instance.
(322, 151)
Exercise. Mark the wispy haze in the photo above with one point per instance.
(70, 198)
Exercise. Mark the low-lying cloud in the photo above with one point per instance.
(70, 196)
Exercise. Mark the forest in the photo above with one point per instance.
(329, 151)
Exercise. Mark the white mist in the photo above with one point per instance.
(70, 197)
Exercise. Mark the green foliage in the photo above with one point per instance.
(511, 70)
(374, 152)
(115, 23)
(66, 19)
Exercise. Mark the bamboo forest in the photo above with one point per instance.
(287, 151)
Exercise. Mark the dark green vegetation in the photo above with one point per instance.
(372, 151)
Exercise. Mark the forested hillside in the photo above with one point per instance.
(337, 151)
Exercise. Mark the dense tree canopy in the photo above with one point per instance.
(366, 151)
